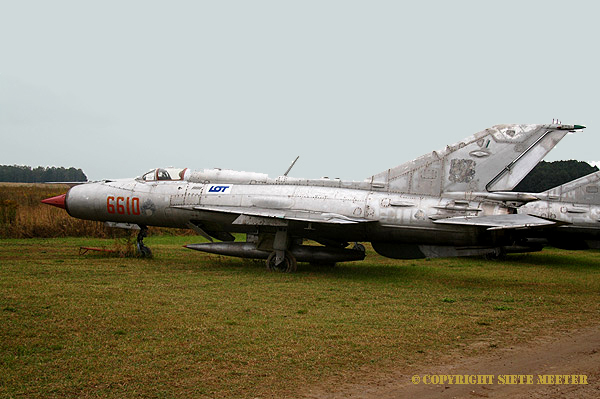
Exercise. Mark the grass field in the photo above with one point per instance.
(187, 324)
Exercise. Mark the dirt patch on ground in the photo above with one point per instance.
(573, 353)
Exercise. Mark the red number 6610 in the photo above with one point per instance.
(123, 205)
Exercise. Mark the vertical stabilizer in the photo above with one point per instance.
(495, 159)
(585, 190)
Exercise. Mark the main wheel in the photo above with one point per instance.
(359, 247)
(498, 254)
(288, 265)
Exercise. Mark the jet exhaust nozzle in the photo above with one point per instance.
(58, 201)
(302, 253)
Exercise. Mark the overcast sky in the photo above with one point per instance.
(119, 87)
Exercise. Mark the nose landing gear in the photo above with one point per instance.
(143, 250)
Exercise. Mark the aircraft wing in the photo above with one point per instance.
(501, 222)
(262, 216)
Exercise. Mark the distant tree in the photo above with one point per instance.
(25, 174)
(73, 174)
(38, 174)
(547, 175)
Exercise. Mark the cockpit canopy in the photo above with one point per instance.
(165, 174)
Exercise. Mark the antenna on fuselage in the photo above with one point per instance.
(291, 166)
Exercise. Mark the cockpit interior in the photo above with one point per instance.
(165, 174)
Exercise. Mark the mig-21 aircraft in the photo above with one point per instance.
(452, 202)
(575, 207)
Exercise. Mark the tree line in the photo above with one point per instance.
(41, 174)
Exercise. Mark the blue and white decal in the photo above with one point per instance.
(218, 188)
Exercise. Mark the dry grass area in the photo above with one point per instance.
(22, 215)
(187, 324)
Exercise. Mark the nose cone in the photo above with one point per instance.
(58, 201)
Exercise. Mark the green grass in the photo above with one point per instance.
(187, 324)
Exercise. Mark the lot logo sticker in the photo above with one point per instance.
(219, 188)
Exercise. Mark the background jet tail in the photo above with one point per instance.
(495, 159)
(585, 190)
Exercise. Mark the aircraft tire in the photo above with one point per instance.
(359, 247)
(144, 251)
(288, 265)
(499, 254)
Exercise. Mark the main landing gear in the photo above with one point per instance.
(287, 264)
(285, 252)
(281, 259)
(142, 249)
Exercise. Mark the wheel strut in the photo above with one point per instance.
(142, 249)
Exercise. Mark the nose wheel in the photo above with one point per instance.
(143, 250)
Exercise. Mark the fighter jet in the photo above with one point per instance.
(575, 209)
(451, 202)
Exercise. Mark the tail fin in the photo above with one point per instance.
(495, 159)
(585, 190)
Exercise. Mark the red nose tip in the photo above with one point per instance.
(58, 201)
